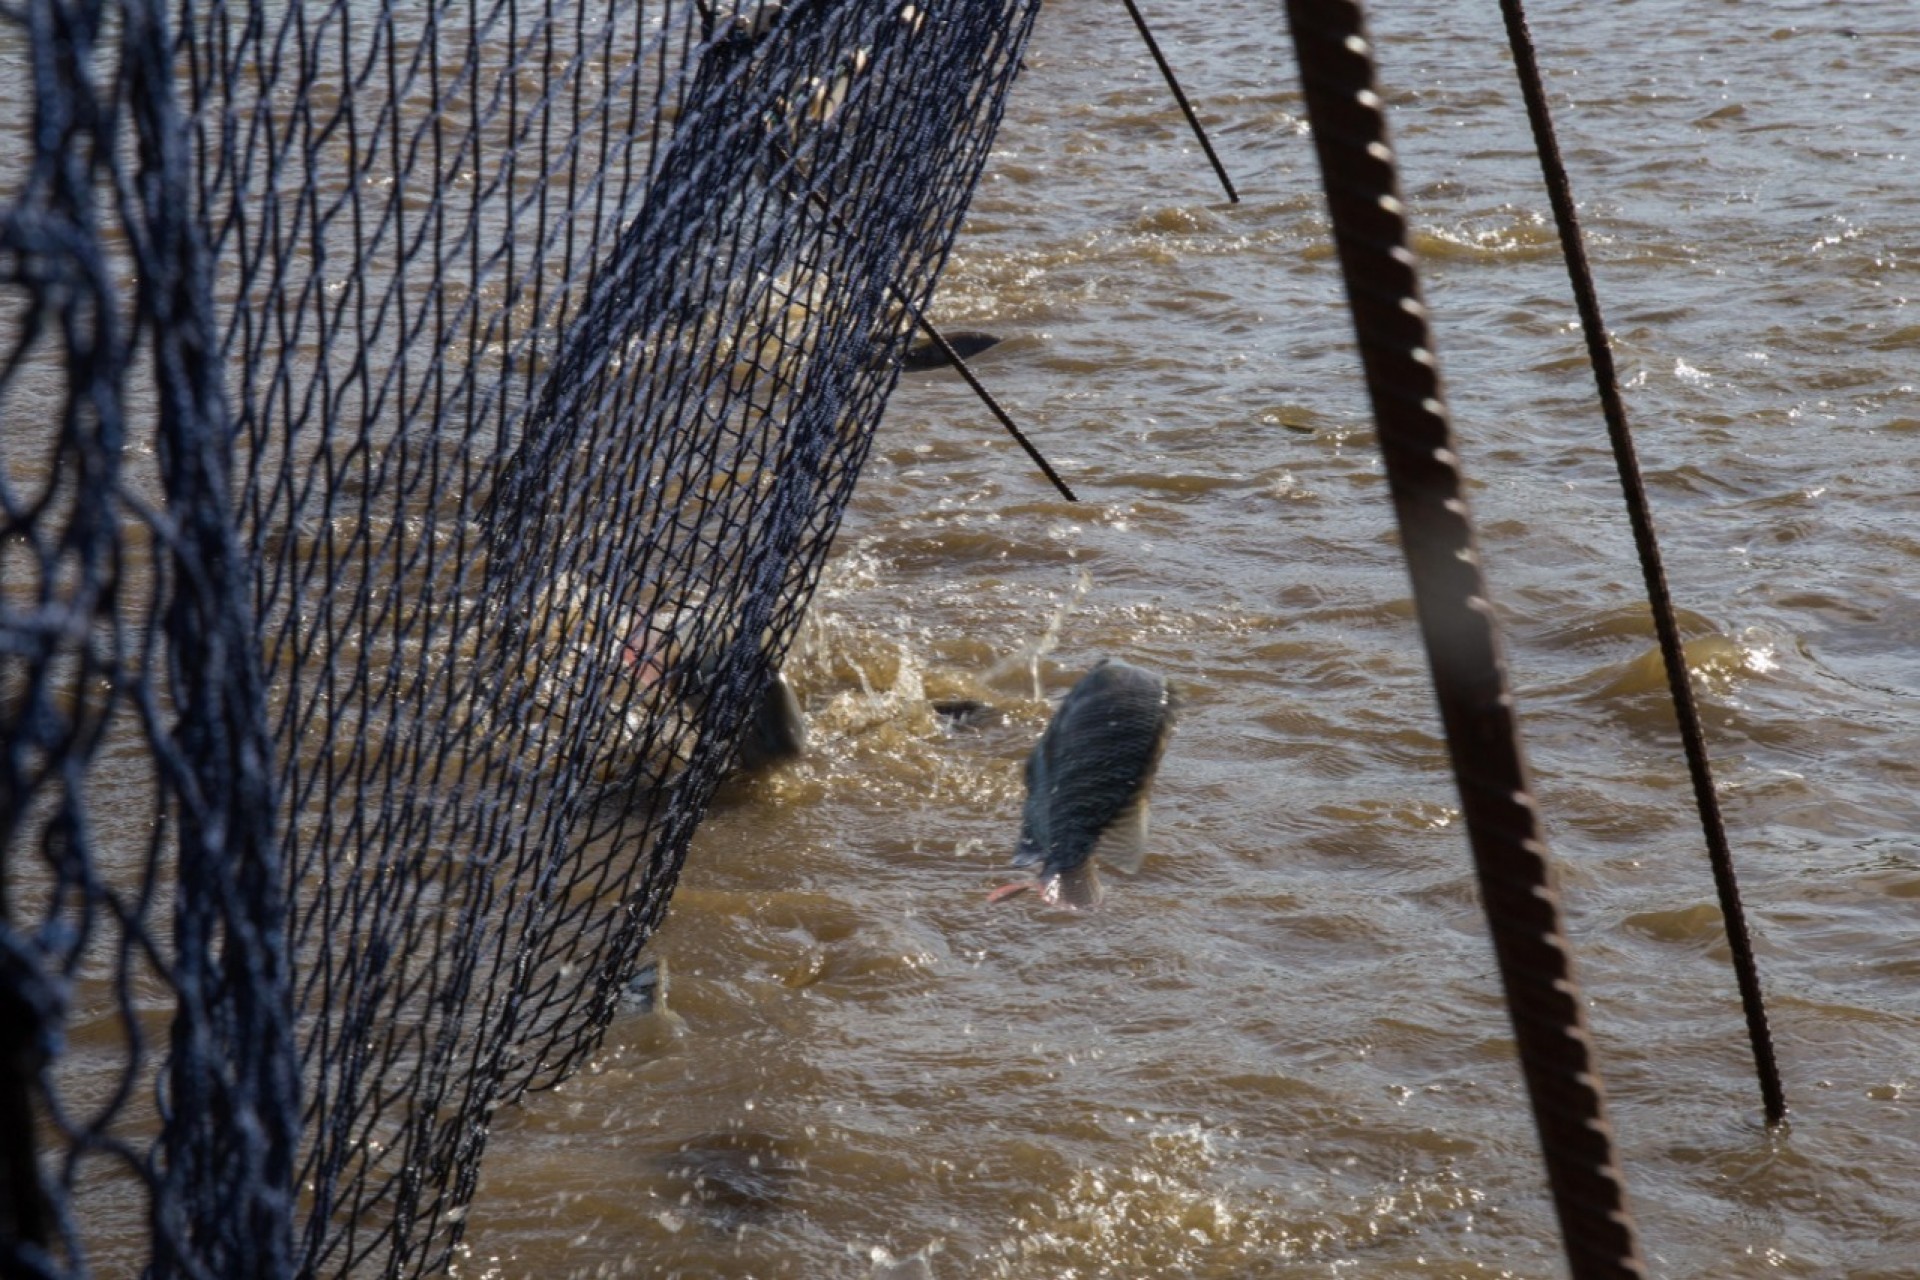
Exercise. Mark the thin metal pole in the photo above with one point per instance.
(986, 397)
(1179, 96)
(953, 357)
(1640, 515)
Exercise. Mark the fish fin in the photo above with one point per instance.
(1031, 851)
(646, 991)
(777, 729)
(1123, 845)
(1076, 890)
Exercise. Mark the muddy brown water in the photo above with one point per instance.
(1280, 1050)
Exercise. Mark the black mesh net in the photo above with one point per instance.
(424, 425)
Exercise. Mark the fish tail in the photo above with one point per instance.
(1076, 890)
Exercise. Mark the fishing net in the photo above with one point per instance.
(425, 424)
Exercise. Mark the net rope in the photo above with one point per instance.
(426, 425)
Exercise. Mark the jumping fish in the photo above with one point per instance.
(1087, 782)
(776, 728)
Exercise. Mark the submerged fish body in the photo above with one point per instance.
(926, 353)
(1087, 783)
(673, 683)
(735, 1177)
(777, 730)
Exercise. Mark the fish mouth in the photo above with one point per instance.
(1012, 890)
(1076, 890)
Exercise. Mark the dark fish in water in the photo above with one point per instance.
(647, 989)
(777, 730)
(926, 353)
(735, 1177)
(1087, 782)
(966, 713)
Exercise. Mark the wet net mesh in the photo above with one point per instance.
(424, 425)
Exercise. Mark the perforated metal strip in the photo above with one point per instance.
(1462, 639)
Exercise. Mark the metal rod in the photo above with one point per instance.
(953, 357)
(1640, 515)
(1462, 639)
(986, 397)
(1179, 95)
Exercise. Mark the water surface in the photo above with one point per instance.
(1280, 1051)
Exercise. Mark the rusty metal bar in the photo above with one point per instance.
(1462, 639)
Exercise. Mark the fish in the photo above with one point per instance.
(777, 730)
(926, 353)
(735, 1177)
(646, 990)
(1087, 784)
(966, 713)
